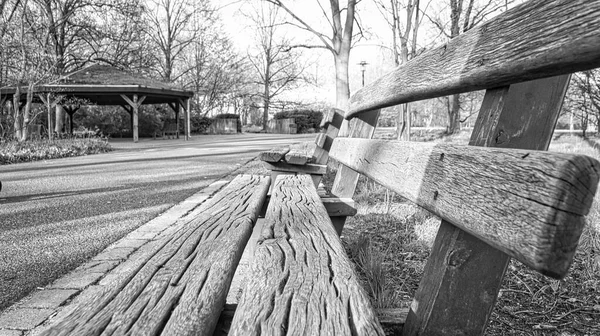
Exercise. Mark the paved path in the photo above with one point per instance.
(56, 214)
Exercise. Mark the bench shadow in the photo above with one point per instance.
(46, 196)
(18, 168)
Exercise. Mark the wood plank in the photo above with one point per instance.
(334, 123)
(339, 206)
(300, 154)
(328, 116)
(308, 168)
(274, 155)
(346, 179)
(530, 41)
(523, 202)
(181, 289)
(334, 206)
(320, 139)
(457, 294)
(344, 183)
(302, 282)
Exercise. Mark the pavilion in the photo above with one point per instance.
(102, 84)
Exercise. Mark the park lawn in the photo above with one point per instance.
(390, 238)
(34, 150)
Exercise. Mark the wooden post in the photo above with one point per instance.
(450, 300)
(344, 185)
(188, 112)
(177, 108)
(135, 106)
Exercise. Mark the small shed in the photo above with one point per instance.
(103, 84)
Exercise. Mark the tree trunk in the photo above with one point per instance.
(18, 121)
(59, 118)
(342, 87)
(453, 114)
(267, 95)
(26, 113)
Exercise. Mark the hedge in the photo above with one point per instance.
(304, 119)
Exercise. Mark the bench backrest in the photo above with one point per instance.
(509, 199)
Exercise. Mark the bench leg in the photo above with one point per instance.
(463, 274)
(338, 224)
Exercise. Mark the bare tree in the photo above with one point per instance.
(122, 41)
(404, 45)
(276, 64)
(65, 29)
(583, 98)
(171, 28)
(212, 67)
(464, 15)
(339, 44)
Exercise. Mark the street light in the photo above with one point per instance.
(363, 68)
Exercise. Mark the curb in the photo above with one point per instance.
(32, 313)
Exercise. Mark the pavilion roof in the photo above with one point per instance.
(104, 84)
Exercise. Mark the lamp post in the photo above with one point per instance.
(363, 68)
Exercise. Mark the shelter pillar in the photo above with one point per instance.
(188, 126)
(135, 104)
(185, 106)
(177, 108)
(50, 104)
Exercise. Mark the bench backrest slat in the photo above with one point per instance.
(537, 39)
(502, 196)
(346, 179)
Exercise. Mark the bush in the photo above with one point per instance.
(231, 116)
(304, 119)
(200, 124)
(15, 152)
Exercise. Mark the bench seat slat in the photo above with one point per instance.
(533, 40)
(529, 204)
(182, 287)
(274, 155)
(300, 154)
(308, 168)
(301, 281)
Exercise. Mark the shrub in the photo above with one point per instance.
(15, 152)
(304, 119)
(231, 116)
(200, 124)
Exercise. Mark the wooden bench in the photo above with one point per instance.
(502, 196)
(170, 130)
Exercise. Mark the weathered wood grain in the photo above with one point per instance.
(344, 183)
(302, 282)
(540, 38)
(346, 179)
(339, 206)
(300, 154)
(274, 155)
(320, 139)
(459, 297)
(308, 168)
(335, 118)
(181, 289)
(529, 204)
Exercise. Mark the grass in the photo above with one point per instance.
(26, 151)
(390, 239)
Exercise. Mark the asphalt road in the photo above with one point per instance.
(56, 214)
